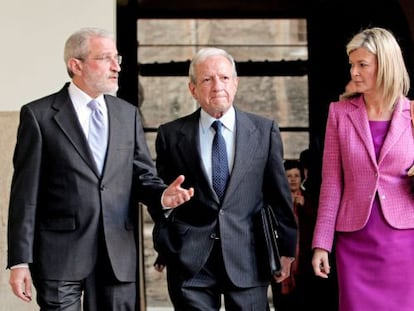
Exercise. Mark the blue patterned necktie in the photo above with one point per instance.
(98, 134)
(220, 167)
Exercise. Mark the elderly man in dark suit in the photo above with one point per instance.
(209, 243)
(72, 205)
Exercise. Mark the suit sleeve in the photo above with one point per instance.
(149, 186)
(27, 162)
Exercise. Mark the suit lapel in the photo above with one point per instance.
(246, 144)
(68, 122)
(115, 123)
(359, 118)
(400, 123)
(189, 149)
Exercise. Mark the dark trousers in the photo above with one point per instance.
(101, 290)
(204, 291)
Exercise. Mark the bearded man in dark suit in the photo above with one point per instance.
(72, 218)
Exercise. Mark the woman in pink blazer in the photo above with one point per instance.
(366, 205)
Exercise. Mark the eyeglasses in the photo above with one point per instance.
(105, 58)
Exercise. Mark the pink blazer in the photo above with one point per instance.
(351, 175)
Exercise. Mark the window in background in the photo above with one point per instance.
(271, 57)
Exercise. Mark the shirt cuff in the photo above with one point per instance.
(167, 210)
(20, 265)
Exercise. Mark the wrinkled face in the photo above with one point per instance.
(216, 85)
(363, 70)
(294, 179)
(97, 73)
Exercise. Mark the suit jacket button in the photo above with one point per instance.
(214, 236)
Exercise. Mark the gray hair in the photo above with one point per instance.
(77, 45)
(392, 75)
(205, 53)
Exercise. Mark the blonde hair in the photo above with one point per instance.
(392, 76)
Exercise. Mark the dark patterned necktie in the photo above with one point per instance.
(220, 167)
(98, 134)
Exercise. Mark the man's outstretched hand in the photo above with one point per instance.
(175, 195)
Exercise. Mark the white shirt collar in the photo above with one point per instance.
(228, 119)
(80, 98)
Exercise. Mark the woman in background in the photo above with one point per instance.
(284, 293)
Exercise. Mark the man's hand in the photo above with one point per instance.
(174, 195)
(21, 283)
(285, 272)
